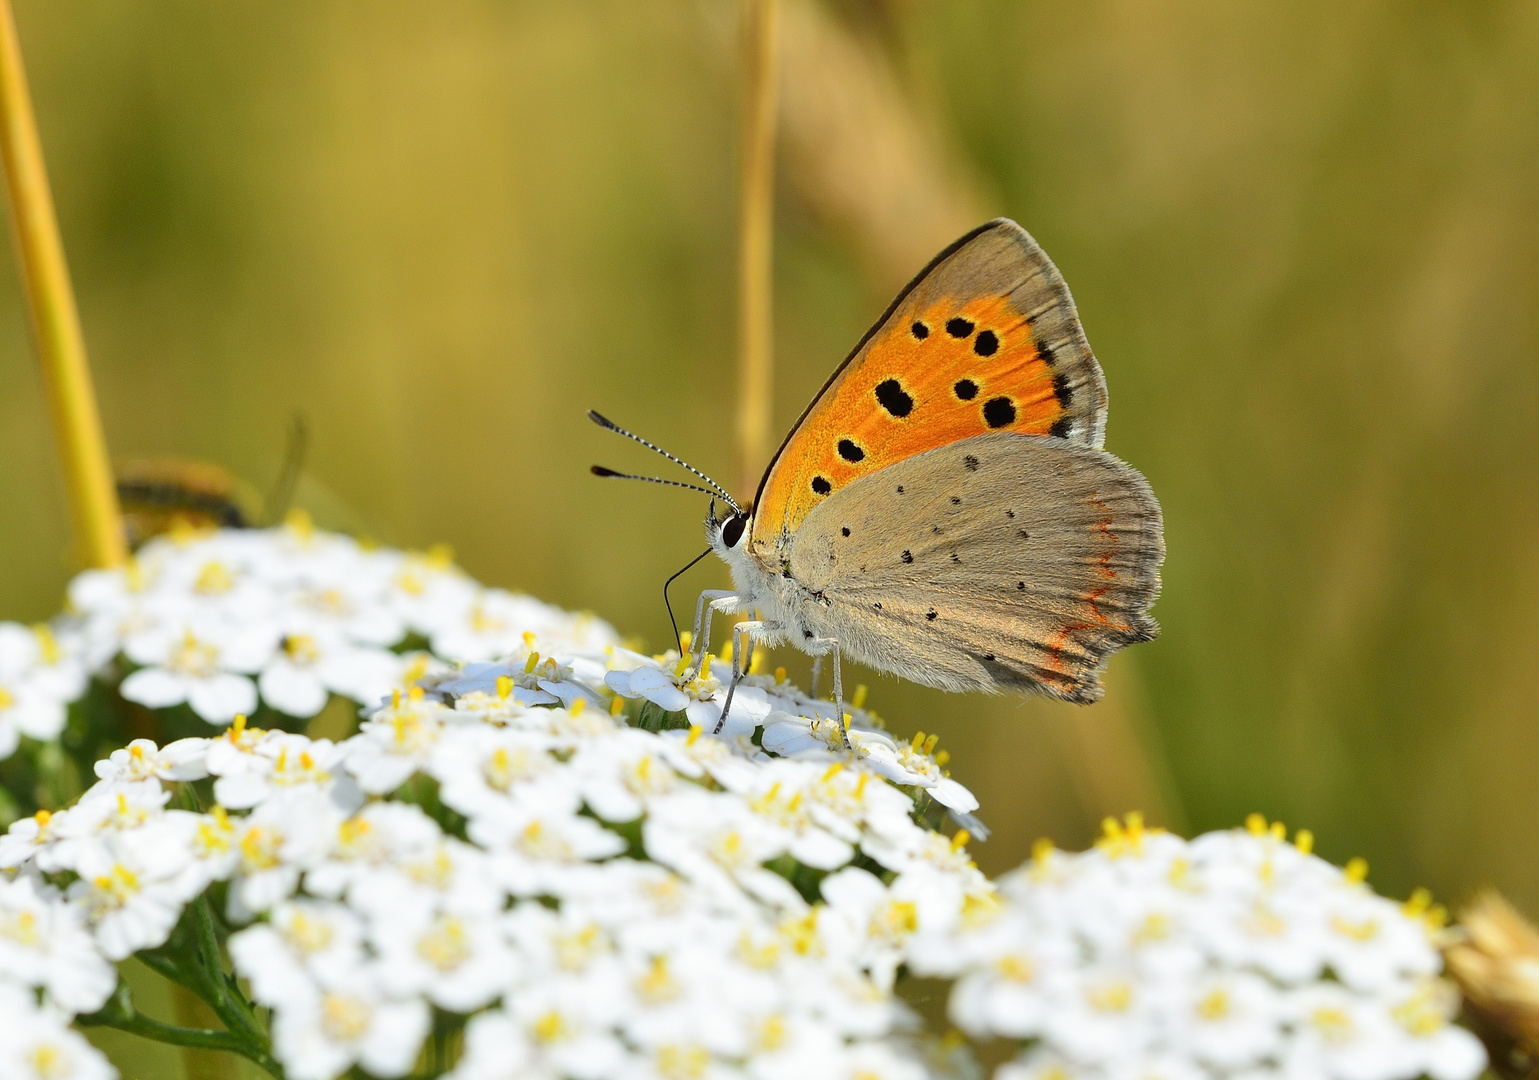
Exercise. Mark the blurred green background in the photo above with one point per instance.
(1304, 239)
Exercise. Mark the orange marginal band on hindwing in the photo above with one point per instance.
(986, 338)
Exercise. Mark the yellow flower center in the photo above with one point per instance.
(446, 946)
(1115, 996)
(344, 1019)
(50, 1062)
(1016, 968)
(259, 848)
(309, 935)
(682, 1062)
(658, 984)
(1334, 1025)
(21, 928)
(195, 658)
(214, 578)
(1214, 1005)
(551, 1027)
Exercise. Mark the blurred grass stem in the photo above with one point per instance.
(60, 346)
(756, 220)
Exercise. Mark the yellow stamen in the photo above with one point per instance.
(414, 695)
(929, 743)
(943, 757)
(617, 706)
(959, 841)
(532, 663)
(833, 771)
(916, 742)
(1356, 871)
(859, 700)
(683, 663)
(1255, 824)
(578, 706)
(705, 667)
(1304, 840)
(504, 686)
(1042, 849)
(780, 674)
(695, 731)
(395, 698)
(47, 644)
(1279, 831)
(685, 640)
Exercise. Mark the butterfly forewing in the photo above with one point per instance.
(985, 339)
(998, 562)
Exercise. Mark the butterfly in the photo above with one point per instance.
(943, 510)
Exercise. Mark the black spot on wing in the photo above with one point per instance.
(970, 463)
(986, 343)
(850, 452)
(845, 531)
(821, 486)
(956, 500)
(1062, 427)
(1046, 354)
(919, 330)
(892, 397)
(908, 556)
(1021, 585)
(930, 615)
(999, 412)
(965, 389)
(959, 327)
(1062, 390)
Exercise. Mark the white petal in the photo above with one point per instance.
(292, 689)
(219, 698)
(155, 687)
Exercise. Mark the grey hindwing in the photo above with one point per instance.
(1001, 561)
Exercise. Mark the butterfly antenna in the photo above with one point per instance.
(599, 470)
(717, 489)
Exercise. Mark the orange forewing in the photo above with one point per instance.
(953, 392)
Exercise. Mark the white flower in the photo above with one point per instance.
(1227, 1020)
(184, 759)
(345, 1019)
(459, 962)
(197, 663)
(1370, 943)
(308, 667)
(478, 767)
(1424, 1010)
(277, 842)
(44, 943)
(536, 849)
(1101, 1013)
(35, 1044)
(303, 940)
(35, 689)
(718, 843)
(281, 762)
(132, 894)
(395, 743)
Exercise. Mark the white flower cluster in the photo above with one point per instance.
(618, 903)
(1236, 954)
(39, 677)
(211, 618)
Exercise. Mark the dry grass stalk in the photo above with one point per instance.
(756, 224)
(60, 345)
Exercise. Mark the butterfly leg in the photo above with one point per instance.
(819, 647)
(710, 602)
(742, 661)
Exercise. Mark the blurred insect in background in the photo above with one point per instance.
(159, 494)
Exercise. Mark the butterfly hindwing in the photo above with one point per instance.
(998, 562)
(985, 339)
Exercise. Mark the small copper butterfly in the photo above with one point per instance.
(944, 510)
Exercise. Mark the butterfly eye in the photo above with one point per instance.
(732, 531)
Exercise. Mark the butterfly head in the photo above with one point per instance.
(726, 534)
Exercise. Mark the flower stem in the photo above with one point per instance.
(756, 221)
(119, 1012)
(61, 347)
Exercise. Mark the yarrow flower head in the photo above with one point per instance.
(540, 853)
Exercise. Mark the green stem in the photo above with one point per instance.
(119, 1012)
(232, 1008)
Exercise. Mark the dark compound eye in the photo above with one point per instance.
(959, 327)
(821, 485)
(920, 330)
(732, 531)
